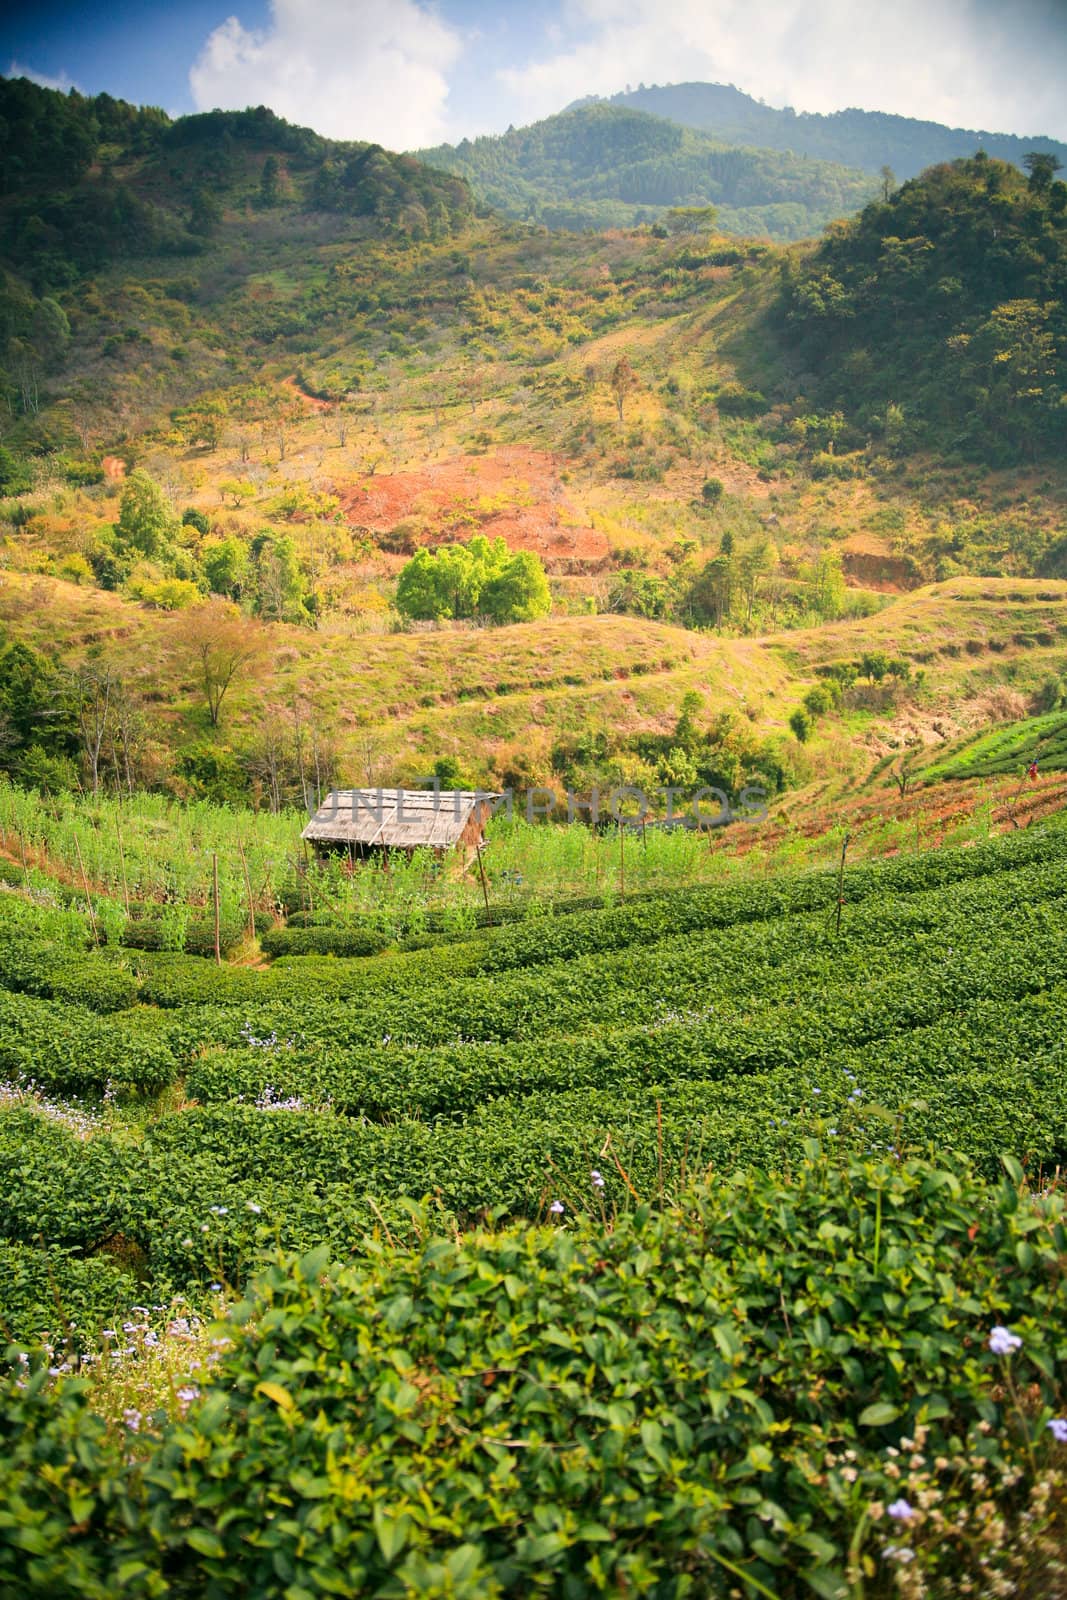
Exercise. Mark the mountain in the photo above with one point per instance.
(941, 312)
(609, 167)
(87, 180)
(865, 139)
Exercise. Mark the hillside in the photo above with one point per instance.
(701, 443)
(609, 167)
(870, 140)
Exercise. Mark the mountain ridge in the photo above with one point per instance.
(855, 137)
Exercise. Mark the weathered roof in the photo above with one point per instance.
(394, 818)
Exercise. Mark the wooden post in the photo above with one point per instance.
(248, 891)
(481, 874)
(215, 898)
(122, 864)
(85, 885)
(841, 884)
(307, 877)
(622, 861)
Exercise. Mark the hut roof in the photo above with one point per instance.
(398, 819)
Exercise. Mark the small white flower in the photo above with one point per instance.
(901, 1510)
(1058, 1428)
(556, 1208)
(1002, 1341)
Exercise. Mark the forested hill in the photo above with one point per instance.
(85, 180)
(866, 139)
(940, 315)
(610, 167)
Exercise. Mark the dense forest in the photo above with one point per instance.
(609, 167)
(940, 313)
(85, 180)
(866, 139)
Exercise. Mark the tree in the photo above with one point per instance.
(519, 593)
(800, 722)
(479, 579)
(623, 382)
(147, 521)
(35, 703)
(753, 564)
(828, 585)
(889, 182)
(227, 567)
(1042, 166)
(220, 645)
(92, 696)
(688, 220)
(268, 182)
(280, 586)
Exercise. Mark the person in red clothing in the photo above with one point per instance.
(1031, 771)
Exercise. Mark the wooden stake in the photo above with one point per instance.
(841, 884)
(85, 885)
(485, 887)
(215, 897)
(122, 864)
(248, 891)
(622, 862)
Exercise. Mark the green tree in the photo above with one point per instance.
(1042, 166)
(478, 579)
(519, 593)
(227, 567)
(147, 521)
(268, 182)
(280, 588)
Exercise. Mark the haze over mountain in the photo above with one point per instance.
(865, 139)
(606, 166)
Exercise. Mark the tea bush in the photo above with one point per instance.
(781, 1384)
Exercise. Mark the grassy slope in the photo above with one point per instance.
(496, 695)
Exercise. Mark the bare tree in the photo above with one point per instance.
(623, 382)
(220, 645)
(92, 691)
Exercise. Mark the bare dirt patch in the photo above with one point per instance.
(515, 495)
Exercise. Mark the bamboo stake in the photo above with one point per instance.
(122, 864)
(841, 884)
(485, 888)
(248, 891)
(85, 885)
(215, 897)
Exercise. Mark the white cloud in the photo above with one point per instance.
(969, 63)
(63, 82)
(350, 69)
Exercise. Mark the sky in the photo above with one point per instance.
(411, 73)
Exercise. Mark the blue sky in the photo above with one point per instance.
(410, 72)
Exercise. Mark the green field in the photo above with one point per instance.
(1007, 750)
(394, 1176)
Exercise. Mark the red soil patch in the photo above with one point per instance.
(869, 562)
(515, 495)
(311, 401)
(114, 468)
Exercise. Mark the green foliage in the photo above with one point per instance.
(873, 140)
(479, 579)
(147, 522)
(606, 167)
(675, 1392)
(993, 378)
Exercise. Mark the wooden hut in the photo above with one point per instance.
(362, 821)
